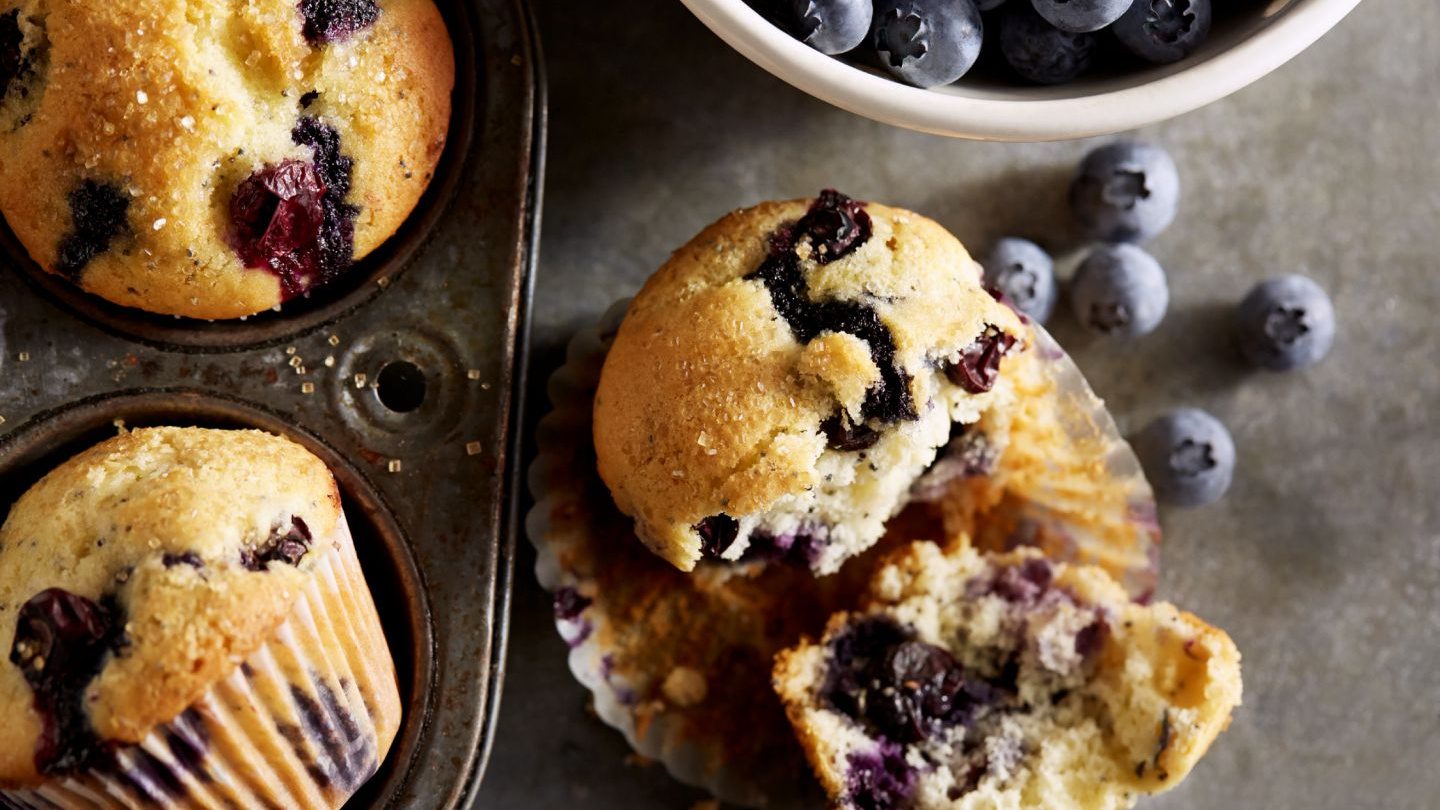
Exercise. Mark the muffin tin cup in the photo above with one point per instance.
(405, 378)
(302, 722)
(579, 538)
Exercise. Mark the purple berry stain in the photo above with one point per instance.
(60, 641)
(881, 780)
(327, 21)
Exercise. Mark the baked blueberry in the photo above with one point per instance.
(1080, 16)
(1025, 275)
(927, 42)
(97, 216)
(1285, 323)
(1040, 52)
(329, 21)
(1119, 290)
(1164, 30)
(1126, 191)
(1188, 456)
(832, 26)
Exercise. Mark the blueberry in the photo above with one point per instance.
(979, 365)
(1039, 51)
(1164, 30)
(286, 544)
(927, 42)
(1080, 16)
(1188, 455)
(1126, 191)
(327, 21)
(717, 534)
(1285, 323)
(832, 26)
(98, 215)
(882, 780)
(1025, 274)
(1119, 290)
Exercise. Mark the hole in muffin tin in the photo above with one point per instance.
(390, 570)
(365, 280)
(401, 386)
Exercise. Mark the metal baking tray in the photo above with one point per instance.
(406, 376)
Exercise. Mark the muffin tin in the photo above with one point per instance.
(405, 377)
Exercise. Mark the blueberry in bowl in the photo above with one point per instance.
(1050, 78)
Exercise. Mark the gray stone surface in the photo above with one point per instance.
(1324, 561)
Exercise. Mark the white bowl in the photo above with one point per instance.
(1244, 46)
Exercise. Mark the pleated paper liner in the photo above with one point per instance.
(302, 723)
(680, 663)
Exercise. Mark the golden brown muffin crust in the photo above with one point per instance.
(174, 103)
(103, 523)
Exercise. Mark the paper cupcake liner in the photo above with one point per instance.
(680, 663)
(301, 723)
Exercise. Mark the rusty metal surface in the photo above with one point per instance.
(426, 468)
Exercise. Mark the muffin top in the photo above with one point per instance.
(776, 333)
(140, 572)
(210, 159)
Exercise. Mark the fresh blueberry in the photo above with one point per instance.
(1126, 191)
(1285, 323)
(1081, 16)
(1025, 274)
(1188, 456)
(1119, 290)
(832, 26)
(927, 42)
(1164, 30)
(1039, 51)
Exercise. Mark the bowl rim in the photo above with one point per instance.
(1294, 27)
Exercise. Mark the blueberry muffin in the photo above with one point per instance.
(212, 160)
(185, 623)
(777, 387)
(1005, 681)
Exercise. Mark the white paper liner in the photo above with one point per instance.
(566, 487)
(302, 723)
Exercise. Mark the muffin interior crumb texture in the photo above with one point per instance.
(210, 159)
(1005, 682)
(779, 386)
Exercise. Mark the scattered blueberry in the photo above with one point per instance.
(1081, 16)
(1126, 191)
(1164, 30)
(1119, 290)
(1188, 455)
(1285, 323)
(329, 21)
(1025, 274)
(97, 213)
(927, 42)
(1039, 51)
(832, 26)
